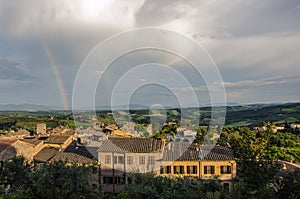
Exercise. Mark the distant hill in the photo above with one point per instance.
(257, 113)
(27, 107)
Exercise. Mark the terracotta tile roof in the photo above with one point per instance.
(73, 158)
(70, 132)
(45, 154)
(7, 151)
(186, 152)
(74, 154)
(5, 143)
(57, 139)
(108, 146)
(20, 132)
(33, 141)
(133, 145)
(79, 149)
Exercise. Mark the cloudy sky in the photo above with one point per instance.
(255, 45)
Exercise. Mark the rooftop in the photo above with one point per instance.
(133, 145)
(73, 158)
(57, 139)
(191, 152)
(5, 143)
(74, 154)
(7, 151)
(45, 154)
(33, 141)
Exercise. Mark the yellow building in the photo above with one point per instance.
(205, 162)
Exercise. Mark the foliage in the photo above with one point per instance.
(59, 181)
(54, 180)
(290, 185)
(150, 186)
(16, 173)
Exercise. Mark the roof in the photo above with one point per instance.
(79, 149)
(20, 132)
(70, 132)
(73, 158)
(108, 146)
(73, 153)
(33, 141)
(6, 143)
(121, 133)
(133, 145)
(57, 139)
(7, 150)
(45, 154)
(186, 152)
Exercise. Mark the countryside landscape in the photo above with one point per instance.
(164, 99)
(265, 146)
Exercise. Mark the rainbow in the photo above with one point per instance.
(57, 75)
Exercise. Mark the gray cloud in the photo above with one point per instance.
(255, 44)
(11, 70)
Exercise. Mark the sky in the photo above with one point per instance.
(254, 44)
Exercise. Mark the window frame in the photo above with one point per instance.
(142, 160)
(107, 159)
(129, 160)
(209, 170)
(226, 169)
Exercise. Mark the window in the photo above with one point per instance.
(165, 170)
(151, 160)
(120, 159)
(129, 160)
(142, 160)
(107, 180)
(209, 169)
(178, 169)
(120, 180)
(111, 180)
(162, 170)
(191, 169)
(107, 159)
(225, 169)
(168, 169)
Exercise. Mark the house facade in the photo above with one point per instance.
(119, 157)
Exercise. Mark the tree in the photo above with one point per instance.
(290, 185)
(56, 180)
(150, 186)
(16, 174)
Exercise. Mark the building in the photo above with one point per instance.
(58, 141)
(74, 154)
(7, 149)
(294, 125)
(21, 133)
(28, 147)
(119, 157)
(41, 129)
(205, 162)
